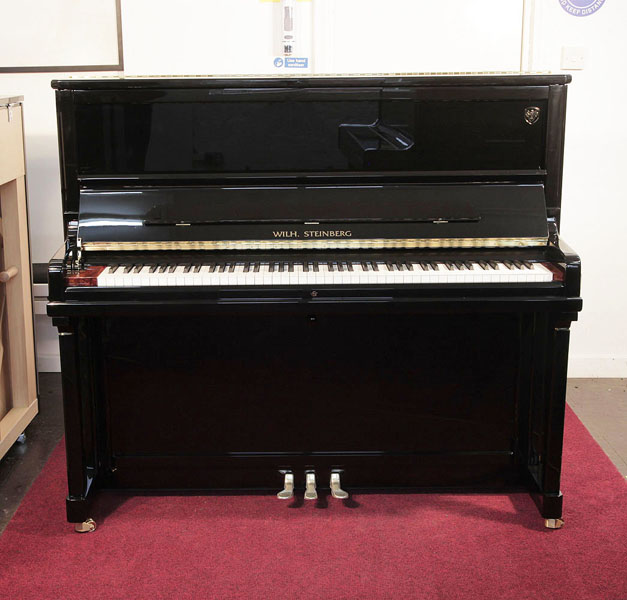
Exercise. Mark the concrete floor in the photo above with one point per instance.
(602, 406)
(600, 403)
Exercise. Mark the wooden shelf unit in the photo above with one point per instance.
(18, 379)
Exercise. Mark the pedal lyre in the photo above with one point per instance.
(288, 487)
(336, 488)
(310, 486)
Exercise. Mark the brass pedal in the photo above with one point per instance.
(288, 487)
(336, 487)
(310, 486)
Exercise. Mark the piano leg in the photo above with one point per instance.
(78, 417)
(550, 499)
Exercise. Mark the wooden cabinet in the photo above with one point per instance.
(18, 383)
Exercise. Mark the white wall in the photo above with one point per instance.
(594, 193)
(59, 28)
(239, 37)
(365, 36)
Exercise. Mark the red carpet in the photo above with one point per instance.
(395, 546)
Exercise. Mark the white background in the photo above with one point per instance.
(361, 36)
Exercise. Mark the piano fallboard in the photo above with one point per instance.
(312, 217)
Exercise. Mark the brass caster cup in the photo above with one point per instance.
(553, 523)
(85, 527)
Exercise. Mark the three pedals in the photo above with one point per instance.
(310, 486)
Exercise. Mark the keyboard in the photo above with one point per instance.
(323, 273)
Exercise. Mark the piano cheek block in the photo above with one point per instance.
(328, 286)
(87, 277)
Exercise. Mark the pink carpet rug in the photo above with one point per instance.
(382, 546)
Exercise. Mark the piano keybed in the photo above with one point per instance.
(314, 272)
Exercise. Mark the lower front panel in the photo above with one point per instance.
(391, 400)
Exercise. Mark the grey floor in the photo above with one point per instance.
(602, 406)
(600, 403)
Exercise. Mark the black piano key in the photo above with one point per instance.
(137, 268)
(449, 265)
(171, 268)
(493, 264)
(409, 266)
(222, 267)
(212, 267)
(306, 267)
(232, 267)
(256, 268)
(390, 265)
(271, 267)
(349, 266)
(127, 268)
(460, 265)
(197, 268)
(153, 268)
(375, 265)
(425, 266)
(483, 264)
(364, 265)
(527, 264)
(290, 267)
(400, 266)
(508, 264)
(163, 268)
(340, 266)
(281, 267)
(469, 265)
(331, 266)
(316, 267)
(518, 264)
(187, 268)
(113, 268)
(435, 266)
(246, 267)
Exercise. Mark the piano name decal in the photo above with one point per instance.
(313, 234)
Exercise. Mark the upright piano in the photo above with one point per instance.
(313, 285)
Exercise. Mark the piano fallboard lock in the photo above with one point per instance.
(310, 486)
(288, 487)
(336, 487)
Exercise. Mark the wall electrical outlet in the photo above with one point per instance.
(573, 58)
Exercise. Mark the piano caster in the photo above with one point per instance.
(85, 527)
(310, 486)
(553, 523)
(336, 490)
(288, 487)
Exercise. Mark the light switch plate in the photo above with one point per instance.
(573, 58)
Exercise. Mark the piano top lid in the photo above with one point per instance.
(322, 80)
(379, 129)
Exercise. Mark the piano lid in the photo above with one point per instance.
(323, 133)
(350, 216)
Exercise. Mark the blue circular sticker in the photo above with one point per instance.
(278, 62)
(581, 8)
